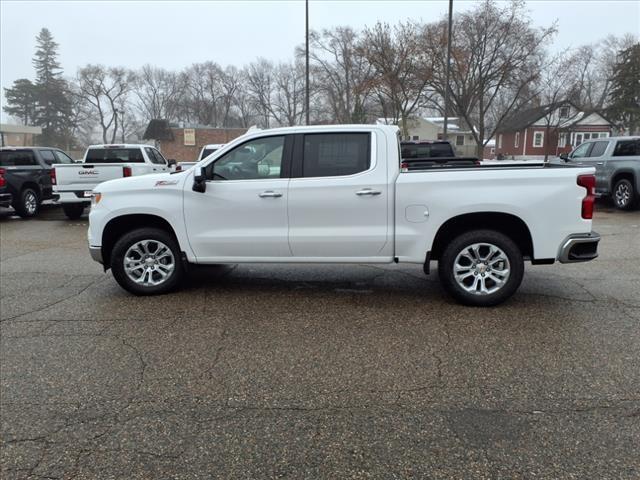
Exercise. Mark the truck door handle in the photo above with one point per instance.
(269, 194)
(368, 191)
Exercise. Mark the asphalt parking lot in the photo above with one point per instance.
(258, 371)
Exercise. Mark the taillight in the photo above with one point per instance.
(126, 171)
(52, 175)
(588, 182)
(3, 181)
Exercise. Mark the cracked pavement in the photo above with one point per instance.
(320, 371)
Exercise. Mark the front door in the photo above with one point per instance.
(339, 198)
(242, 215)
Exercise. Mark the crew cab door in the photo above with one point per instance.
(338, 197)
(242, 215)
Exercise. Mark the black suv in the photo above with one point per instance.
(25, 180)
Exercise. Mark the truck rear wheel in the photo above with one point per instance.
(27, 204)
(624, 195)
(147, 261)
(481, 268)
(73, 211)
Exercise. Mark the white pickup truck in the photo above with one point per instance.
(340, 194)
(74, 182)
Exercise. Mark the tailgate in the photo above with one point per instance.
(84, 177)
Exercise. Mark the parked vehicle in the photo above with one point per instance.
(25, 180)
(335, 194)
(74, 182)
(204, 153)
(417, 155)
(209, 149)
(617, 164)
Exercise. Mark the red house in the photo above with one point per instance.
(548, 131)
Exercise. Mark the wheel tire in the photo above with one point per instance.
(624, 195)
(28, 203)
(134, 237)
(447, 262)
(73, 211)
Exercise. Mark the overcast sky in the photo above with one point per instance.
(174, 34)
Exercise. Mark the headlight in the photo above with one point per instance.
(95, 199)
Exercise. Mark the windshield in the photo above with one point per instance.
(426, 150)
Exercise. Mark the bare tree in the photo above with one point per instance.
(157, 92)
(496, 58)
(593, 67)
(260, 85)
(401, 70)
(103, 89)
(341, 73)
(287, 105)
(556, 84)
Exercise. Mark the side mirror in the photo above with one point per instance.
(199, 180)
(564, 156)
(171, 162)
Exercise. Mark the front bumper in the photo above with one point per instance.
(579, 248)
(96, 253)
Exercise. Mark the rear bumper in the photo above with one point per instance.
(579, 248)
(5, 199)
(73, 197)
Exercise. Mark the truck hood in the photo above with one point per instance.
(141, 182)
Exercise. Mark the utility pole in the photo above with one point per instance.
(448, 70)
(306, 100)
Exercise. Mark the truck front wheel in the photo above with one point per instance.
(481, 268)
(147, 261)
(73, 211)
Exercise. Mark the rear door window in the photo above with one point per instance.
(62, 157)
(598, 149)
(153, 158)
(114, 155)
(48, 157)
(627, 148)
(336, 154)
(17, 158)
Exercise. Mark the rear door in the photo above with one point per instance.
(338, 197)
(158, 162)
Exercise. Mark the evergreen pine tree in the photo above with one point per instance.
(21, 101)
(54, 110)
(625, 90)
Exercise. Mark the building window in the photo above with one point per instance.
(562, 140)
(416, 137)
(516, 142)
(500, 141)
(538, 139)
(564, 112)
(459, 140)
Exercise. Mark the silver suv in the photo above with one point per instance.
(617, 162)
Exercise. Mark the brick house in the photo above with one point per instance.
(184, 142)
(548, 130)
